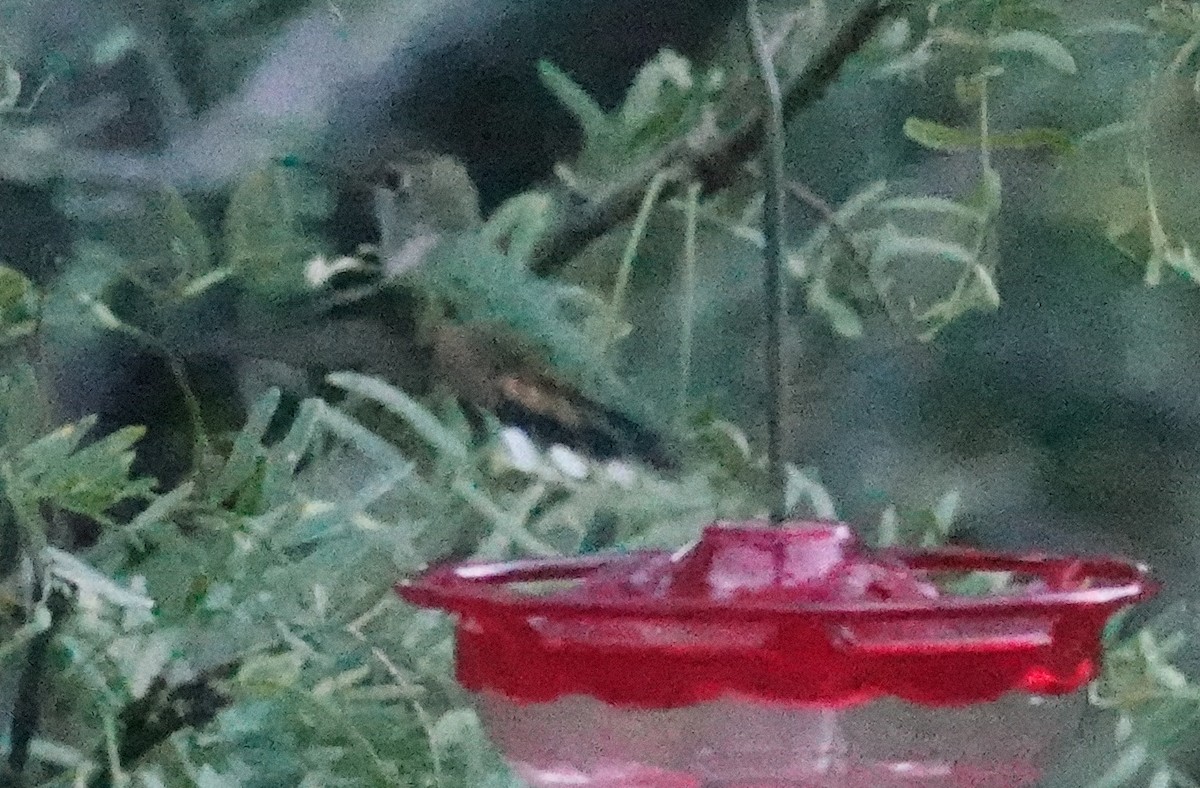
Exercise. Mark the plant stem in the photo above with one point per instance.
(691, 218)
(715, 164)
(773, 256)
(636, 234)
(27, 708)
(985, 148)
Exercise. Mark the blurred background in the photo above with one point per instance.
(1067, 417)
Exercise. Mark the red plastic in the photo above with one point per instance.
(802, 614)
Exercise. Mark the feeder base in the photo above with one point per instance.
(734, 743)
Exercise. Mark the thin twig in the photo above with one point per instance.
(27, 709)
(640, 223)
(688, 306)
(813, 200)
(179, 374)
(773, 255)
(714, 165)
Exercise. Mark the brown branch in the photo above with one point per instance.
(714, 165)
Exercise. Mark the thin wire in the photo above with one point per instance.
(691, 214)
(773, 257)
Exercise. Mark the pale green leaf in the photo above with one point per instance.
(188, 242)
(266, 240)
(938, 136)
(268, 673)
(893, 246)
(988, 192)
(455, 728)
(18, 299)
(89, 581)
(592, 118)
(362, 439)
(284, 458)
(247, 447)
(10, 87)
(417, 415)
(802, 487)
(932, 205)
(945, 510)
(518, 224)
(1021, 139)
(662, 81)
(1040, 45)
(842, 317)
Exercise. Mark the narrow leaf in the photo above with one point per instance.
(396, 401)
(932, 205)
(842, 317)
(14, 288)
(361, 438)
(188, 242)
(592, 118)
(1040, 45)
(285, 457)
(1042, 137)
(802, 487)
(936, 136)
(247, 447)
(10, 87)
(894, 245)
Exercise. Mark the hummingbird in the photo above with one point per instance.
(491, 368)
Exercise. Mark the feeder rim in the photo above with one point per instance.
(478, 586)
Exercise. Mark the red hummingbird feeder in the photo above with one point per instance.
(780, 658)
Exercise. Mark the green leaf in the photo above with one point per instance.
(945, 510)
(937, 136)
(455, 728)
(1043, 137)
(284, 458)
(188, 242)
(117, 41)
(887, 534)
(417, 415)
(864, 199)
(14, 288)
(518, 224)
(842, 317)
(592, 118)
(163, 508)
(23, 406)
(1176, 18)
(270, 673)
(657, 90)
(50, 451)
(932, 205)
(10, 87)
(89, 581)
(202, 283)
(803, 487)
(89, 480)
(893, 246)
(265, 230)
(988, 193)
(1040, 45)
(362, 439)
(247, 451)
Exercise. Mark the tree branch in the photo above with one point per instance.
(713, 165)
